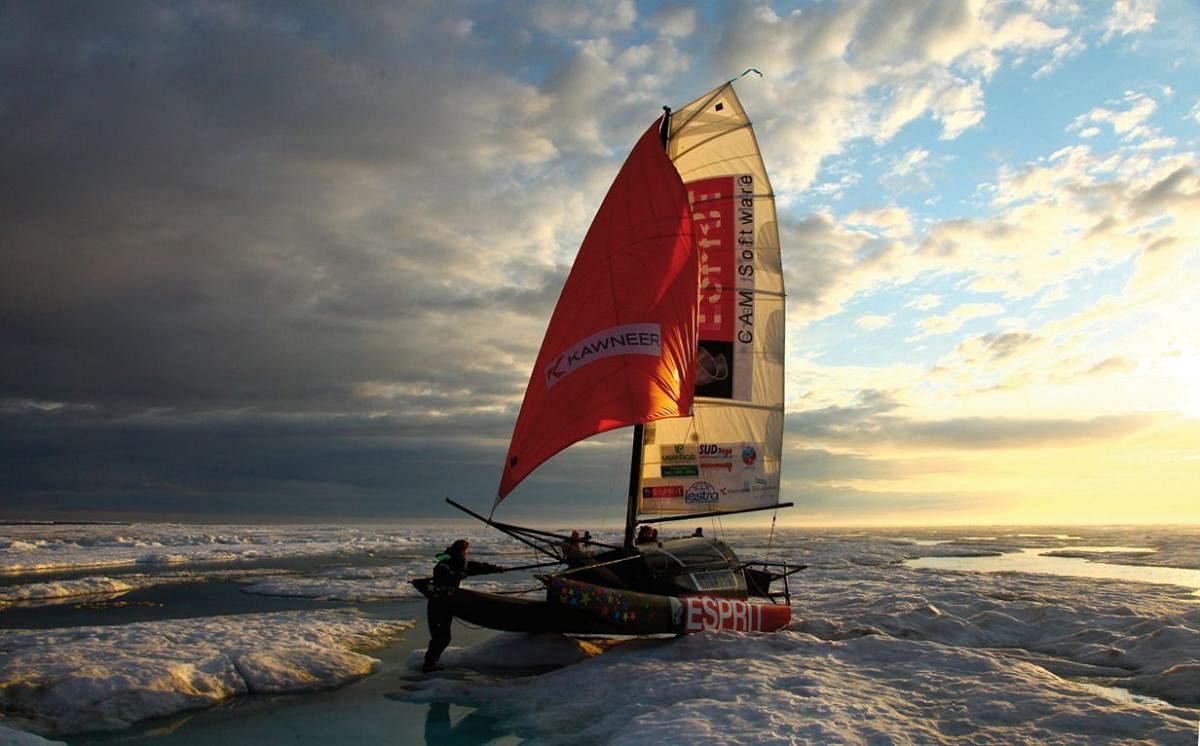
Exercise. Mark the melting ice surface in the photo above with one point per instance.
(1070, 565)
(879, 650)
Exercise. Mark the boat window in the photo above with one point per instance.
(682, 555)
(715, 580)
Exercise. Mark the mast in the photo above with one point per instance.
(635, 460)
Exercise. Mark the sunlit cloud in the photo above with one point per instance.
(1129, 17)
(871, 322)
(954, 320)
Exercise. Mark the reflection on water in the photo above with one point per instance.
(1107, 550)
(1039, 561)
(471, 727)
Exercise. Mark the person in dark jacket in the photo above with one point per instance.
(448, 573)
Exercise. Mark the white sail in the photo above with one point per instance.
(726, 456)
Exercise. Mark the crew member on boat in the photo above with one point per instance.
(452, 566)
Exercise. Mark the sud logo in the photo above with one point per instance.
(701, 492)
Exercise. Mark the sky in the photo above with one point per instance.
(281, 261)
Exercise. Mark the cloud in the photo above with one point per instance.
(1112, 364)
(1070, 48)
(970, 433)
(861, 73)
(909, 160)
(871, 322)
(1051, 296)
(1180, 188)
(953, 321)
(594, 18)
(878, 419)
(893, 222)
(675, 20)
(925, 302)
(1130, 122)
(998, 345)
(1130, 17)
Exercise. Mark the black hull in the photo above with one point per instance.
(638, 614)
(576, 608)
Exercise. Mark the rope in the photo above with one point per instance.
(530, 589)
(771, 536)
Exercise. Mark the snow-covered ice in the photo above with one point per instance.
(792, 687)
(47, 547)
(104, 678)
(879, 650)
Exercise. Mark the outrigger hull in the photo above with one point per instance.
(574, 607)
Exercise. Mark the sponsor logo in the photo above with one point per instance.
(662, 492)
(749, 455)
(628, 339)
(706, 612)
(701, 492)
(678, 460)
(679, 471)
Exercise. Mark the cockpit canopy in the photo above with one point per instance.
(694, 565)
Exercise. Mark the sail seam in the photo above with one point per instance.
(717, 136)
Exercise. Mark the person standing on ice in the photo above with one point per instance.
(448, 573)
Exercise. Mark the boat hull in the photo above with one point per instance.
(573, 607)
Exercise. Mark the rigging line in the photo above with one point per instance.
(771, 535)
(531, 589)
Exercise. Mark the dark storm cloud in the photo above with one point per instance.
(174, 225)
(83, 464)
(264, 250)
(221, 223)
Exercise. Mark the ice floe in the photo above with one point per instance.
(97, 587)
(792, 687)
(879, 650)
(13, 737)
(1145, 635)
(49, 547)
(104, 678)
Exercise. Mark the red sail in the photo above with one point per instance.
(621, 345)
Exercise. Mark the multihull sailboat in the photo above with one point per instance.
(671, 321)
